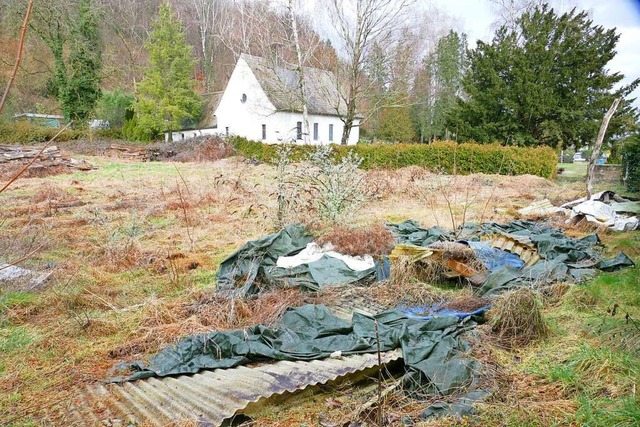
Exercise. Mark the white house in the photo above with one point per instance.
(261, 103)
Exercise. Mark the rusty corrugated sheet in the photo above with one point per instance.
(519, 245)
(209, 397)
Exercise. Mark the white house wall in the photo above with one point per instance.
(246, 119)
(188, 134)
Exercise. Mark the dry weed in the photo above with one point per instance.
(467, 303)
(408, 284)
(372, 240)
(516, 317)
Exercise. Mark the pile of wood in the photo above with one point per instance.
(143, 154)
(51, 157)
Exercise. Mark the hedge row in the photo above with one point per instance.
(22, 132)
(631, 164)
(445, 156)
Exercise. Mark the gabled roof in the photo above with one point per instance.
(211, 102)
(281, 86)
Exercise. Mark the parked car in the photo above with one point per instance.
(578, 158)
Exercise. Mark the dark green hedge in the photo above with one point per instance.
(448, 157)
(631, 164)
(22, 132)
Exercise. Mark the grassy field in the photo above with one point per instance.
(573, 171)
(135, 246)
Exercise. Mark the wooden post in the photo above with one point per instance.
(596, 148)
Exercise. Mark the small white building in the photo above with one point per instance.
(261, 103)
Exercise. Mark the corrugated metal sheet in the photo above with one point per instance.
(540, 207)
(209, 397)
(519, 245)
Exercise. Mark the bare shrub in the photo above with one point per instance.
(338, 188)
(205, 149)
(516, 317)
(372, 240)
(320, 189)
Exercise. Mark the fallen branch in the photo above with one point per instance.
(19, 260)
(23, 34)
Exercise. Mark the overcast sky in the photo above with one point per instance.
(475, 17)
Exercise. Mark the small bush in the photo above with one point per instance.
(336, 186)
(328, 189)
(445, 156)
(22, 132)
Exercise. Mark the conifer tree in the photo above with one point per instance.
(544, 82)
(81, 90)
(166, 97)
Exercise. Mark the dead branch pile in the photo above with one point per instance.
(50, 158)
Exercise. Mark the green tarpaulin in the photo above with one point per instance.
(252, 268)
(433, 351)
(563, 258)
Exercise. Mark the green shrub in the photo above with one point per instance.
(109, 133)
(23, 132)
(444, 156)
(113, 107)
(631, 164)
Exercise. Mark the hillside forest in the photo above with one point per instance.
(543, 79)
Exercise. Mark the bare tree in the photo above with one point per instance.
(359, 24)
(508, 11)
(302, 90)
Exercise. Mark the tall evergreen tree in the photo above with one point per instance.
(166, 96)
(544, 82)
(81, 90)
(438, 86)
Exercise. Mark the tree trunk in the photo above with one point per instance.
(301, 83)
(348, 120)
(16, 65)
(596, 148)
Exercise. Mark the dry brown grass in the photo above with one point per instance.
(516, 317)
(372, 240)
(116, 295)
(409, 284)
(165, 322)
(467, 303)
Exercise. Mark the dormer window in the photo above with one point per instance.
(243, 98)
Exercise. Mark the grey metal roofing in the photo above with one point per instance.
(211, 102)
(209, 397)
(323, 92)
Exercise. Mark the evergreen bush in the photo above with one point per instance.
(23, 132)
(442, 156)
(631, 164)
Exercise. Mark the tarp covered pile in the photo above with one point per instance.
(560, 258)
(606, 209)
(289, 258)
(433, 352)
